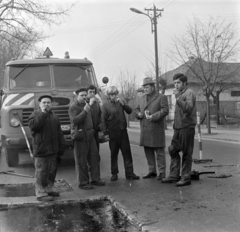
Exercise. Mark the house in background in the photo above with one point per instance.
(229, 80)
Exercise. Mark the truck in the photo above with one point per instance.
(24, 82)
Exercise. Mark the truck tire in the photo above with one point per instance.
(12, 158)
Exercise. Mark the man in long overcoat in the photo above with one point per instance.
(151, 111)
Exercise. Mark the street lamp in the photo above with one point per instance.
(154, 29)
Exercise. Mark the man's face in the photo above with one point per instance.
(148, 89)
(81, 97)
(91, 93)
(179, 85)
(45, 103)
(113, 97)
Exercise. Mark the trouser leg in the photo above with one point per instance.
(81, 150)
(151, 160)
(186, 140)
(161, 159)
(96, 139)
(52, 172)
(41, 175)
(175, 164)
(126, 152)
(94, 160)
(114, 148)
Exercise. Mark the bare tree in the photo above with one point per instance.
(162, 69)
(16, 49)
(211, 46)
(127, 83)
(19, 17)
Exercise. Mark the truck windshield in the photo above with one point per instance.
(72, 76)
(26, 76)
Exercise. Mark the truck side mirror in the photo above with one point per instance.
(1, 92)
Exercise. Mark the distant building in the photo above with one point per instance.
(229, 98)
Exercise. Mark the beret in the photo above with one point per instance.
(45, 96)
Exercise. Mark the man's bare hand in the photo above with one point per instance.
(120, 101)
(92, 100)
(87, 108)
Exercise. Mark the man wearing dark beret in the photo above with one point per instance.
(48, 146)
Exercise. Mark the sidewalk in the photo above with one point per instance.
(227, 135)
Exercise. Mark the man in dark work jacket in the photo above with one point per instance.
(48, 145)
(115, 129)
(85, 151)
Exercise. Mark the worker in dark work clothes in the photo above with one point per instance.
(48, 147)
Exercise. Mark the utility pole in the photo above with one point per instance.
(154, 30)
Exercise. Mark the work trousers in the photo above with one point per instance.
(45, 174)
(121, 142)
(161, 159)
(87, 159)
(96, 139)
(183, 140)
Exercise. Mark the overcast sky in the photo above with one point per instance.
(116, 39)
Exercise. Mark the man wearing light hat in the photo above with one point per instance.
(151, 111)
(48, 146)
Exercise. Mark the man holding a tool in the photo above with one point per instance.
(48, 147)
(184, 131)
(85, 148)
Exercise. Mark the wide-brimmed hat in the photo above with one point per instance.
(148, 81)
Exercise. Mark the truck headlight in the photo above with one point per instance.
(14, 122)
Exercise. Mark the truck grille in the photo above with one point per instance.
(61, 112)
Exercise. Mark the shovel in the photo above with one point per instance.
(195, 175)
(10, 172)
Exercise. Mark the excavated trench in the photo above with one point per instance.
(92, 215)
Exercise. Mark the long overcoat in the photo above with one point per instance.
(153, 132)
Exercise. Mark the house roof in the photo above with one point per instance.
(199, 65)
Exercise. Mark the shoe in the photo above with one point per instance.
(170, 179)
(86, 187)
(132, 177)
(54, 194)
(150, 175)
(45, 198)
(114, 177)
(98, 183)
(161, 176)
(183, 182)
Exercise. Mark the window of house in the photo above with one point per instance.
(235, 93)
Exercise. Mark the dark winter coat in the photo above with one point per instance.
(81, 119)
(153, 132)
(47, 134)
(113, 118)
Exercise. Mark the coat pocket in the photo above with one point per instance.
(79, 135)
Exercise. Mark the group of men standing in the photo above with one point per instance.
(88, 118)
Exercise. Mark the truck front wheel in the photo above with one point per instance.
(12, 158)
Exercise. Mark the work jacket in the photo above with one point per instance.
(81, 119)
(113, 117)
(47, 134)
(185, 110)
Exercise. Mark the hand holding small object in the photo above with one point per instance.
(140, 115)
(87, 108)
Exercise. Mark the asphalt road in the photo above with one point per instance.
(211, 204)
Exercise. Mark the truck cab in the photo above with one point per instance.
(24, 82)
